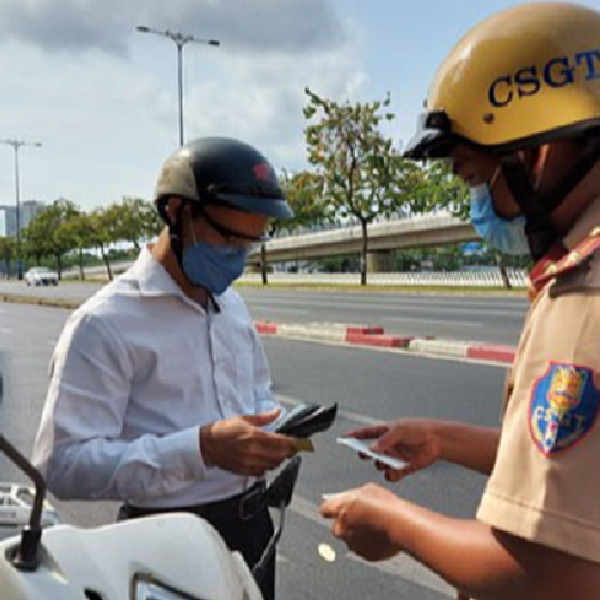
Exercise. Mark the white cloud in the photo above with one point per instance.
(295, 26)
(263, 99)
(107, 116)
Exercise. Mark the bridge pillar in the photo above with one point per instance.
(379, 262)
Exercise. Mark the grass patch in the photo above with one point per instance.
(39, 301)
(380, 288)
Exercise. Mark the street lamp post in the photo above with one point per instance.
(180, 40)
(17, 145)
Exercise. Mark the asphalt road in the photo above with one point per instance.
(369, 385)
(470, 317)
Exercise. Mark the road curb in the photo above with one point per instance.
(456, 349)
(492, 352)
(380, 340)
(351, 334)
(375, 336)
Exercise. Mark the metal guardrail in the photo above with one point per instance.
(491, 278)
(516, 277)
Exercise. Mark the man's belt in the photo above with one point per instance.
(245, 505)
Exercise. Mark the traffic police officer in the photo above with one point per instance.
(516, 108)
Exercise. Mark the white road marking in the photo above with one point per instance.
(378, 306)
(274, 309)
(432, 320)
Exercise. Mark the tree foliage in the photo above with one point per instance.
(361, 172)
(62, 228)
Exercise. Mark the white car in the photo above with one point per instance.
(16, 501)
(41, 276)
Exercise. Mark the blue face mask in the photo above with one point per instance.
(506, 235)
(213, 267)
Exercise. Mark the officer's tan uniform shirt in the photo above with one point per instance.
(545, 485)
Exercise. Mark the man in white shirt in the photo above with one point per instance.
(159, 390)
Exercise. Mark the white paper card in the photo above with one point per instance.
(363, 448)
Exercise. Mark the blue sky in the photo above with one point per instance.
(102, 98)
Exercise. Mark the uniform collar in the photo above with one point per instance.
(588, 220)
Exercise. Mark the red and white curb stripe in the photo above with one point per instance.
(375, 336)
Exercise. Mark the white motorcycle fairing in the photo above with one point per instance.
(178, 552)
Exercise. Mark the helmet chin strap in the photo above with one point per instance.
(176, 237)
(537, 207)
(539, 229)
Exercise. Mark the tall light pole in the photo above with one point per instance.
(17, 145)
(180, 40)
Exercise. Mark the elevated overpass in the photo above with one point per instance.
(384, 237)
(414, 232)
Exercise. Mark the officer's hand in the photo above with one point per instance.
(240, 445)
(361, 518)
(415, 442)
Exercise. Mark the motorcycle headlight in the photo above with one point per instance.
(145, 588)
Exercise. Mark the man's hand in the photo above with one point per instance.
(415, 442)
(361, 519)
(240, 445)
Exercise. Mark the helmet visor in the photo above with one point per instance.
(434, 137)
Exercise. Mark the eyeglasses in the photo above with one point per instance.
(235, 239)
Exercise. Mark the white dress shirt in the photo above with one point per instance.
(138, 369)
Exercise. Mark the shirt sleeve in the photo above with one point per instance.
(79, 446)
(546, 479)
(263, 394)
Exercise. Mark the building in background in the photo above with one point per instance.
(8, 216)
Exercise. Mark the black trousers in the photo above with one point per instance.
(245, 534)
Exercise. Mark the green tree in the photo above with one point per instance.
(303, 191)
(104, 230)
(363, 175)
(436, 187)
(134, 219)
(76, 233)
(7, 250)
(44, 235)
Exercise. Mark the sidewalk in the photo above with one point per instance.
(373, 336)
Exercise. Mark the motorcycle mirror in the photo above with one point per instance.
(27, 556)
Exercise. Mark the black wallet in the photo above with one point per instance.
(307, 419)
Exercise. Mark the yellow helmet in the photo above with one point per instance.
(525, 76)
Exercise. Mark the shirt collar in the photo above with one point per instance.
(154, 280)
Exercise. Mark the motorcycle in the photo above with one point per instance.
(165, 557)
(174, 556)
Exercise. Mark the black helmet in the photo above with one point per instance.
(220, 170)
